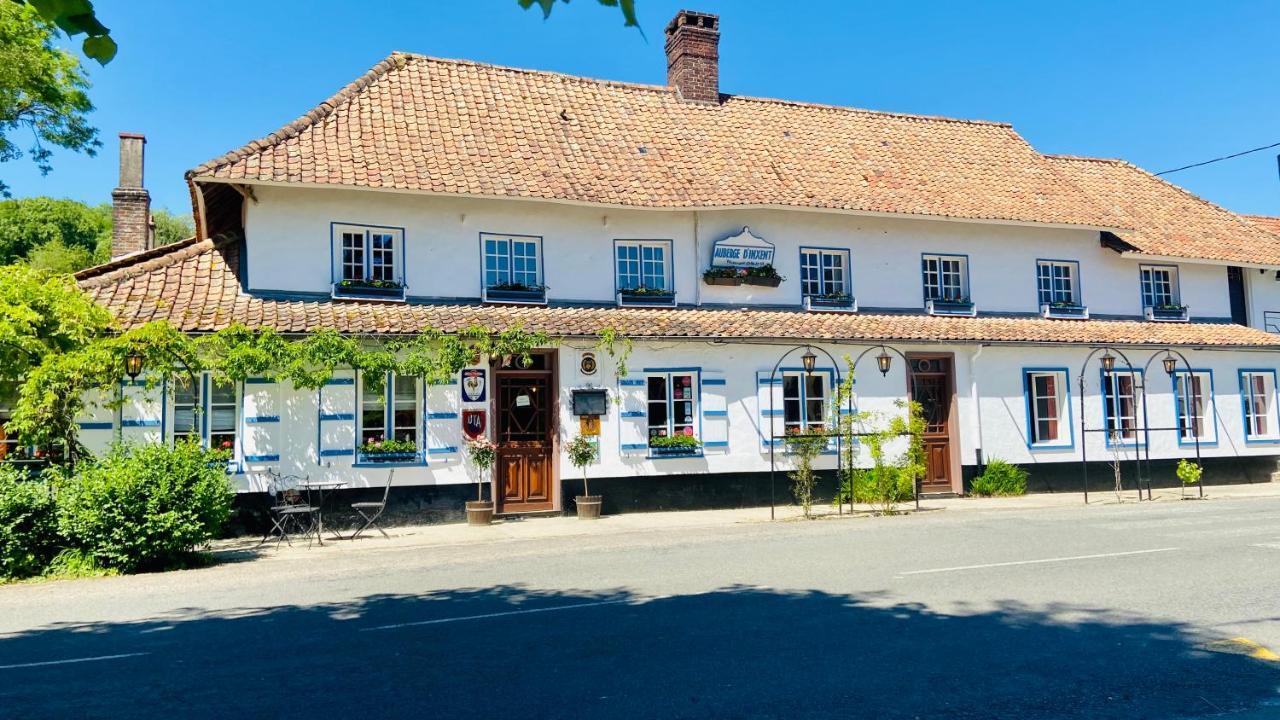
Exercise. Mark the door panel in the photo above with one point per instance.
(932, 387)
(524, 408)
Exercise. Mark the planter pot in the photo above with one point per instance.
(531, 297)
(371, 293)
(389, 457)
(722, 280)
(673, 451)
(479, 512)
(588, 506)
(763, 281)
(626, 299)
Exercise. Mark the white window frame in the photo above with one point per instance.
(1058, 281)
(1112, 408)
(644, 275)
(1062, 404)
(502, 250)
(818, 266)
(1148, 280)
(1260, 423)
(202, 413)
(376, 262)
(1205, 413)
(669, 400)
(388, 407)
(943, 267)
(804, 403)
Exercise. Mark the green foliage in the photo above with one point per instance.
(146, 507)
(1188, 472)
(76, 563)
(891, 479)
(805, 446)
(42, 91)
(76, 17)
(582, 451)
(388, 446)
(56, 258)
(617, 346)
(628, 8)
(686, 442)
(28, 223)
(1000, 478)
(171, 228)
(28, 524)
(42, 315)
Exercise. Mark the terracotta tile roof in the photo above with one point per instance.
(415, 123)
(1166, 219)
(1266, 222)
(194, 286)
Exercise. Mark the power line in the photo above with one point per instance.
(1219, 159)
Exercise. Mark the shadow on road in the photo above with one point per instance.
(735, 652)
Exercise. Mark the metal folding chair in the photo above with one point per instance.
(288, 509)
(371, 511)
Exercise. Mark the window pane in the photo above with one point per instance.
(353, 256)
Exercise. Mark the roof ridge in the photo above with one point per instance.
(307, 119)
(1085, 158)
(1258, 216)
(1207, 203)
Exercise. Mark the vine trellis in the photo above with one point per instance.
(55, 393)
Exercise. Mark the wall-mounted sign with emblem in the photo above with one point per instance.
(743, 250)
(473, 423)
(589, 425)
(588, 364)
(473, 385)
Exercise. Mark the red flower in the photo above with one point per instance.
(688, 431)
(226, 444)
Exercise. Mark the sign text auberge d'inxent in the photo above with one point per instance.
(743, 250)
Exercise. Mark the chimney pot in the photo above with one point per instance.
(130, 201)
(693, 56)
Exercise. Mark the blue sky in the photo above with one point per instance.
(1159, 84)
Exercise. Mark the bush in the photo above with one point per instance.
(1000, 478)
(886, 485)
(146, 507)
(28, 524)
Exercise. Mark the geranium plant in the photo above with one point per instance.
(483, 454)
(680, 440)
(388, 446)
(582, 452)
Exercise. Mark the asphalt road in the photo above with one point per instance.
(1101, 612)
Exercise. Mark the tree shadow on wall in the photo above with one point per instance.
(734, 652)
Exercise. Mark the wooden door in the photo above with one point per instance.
(524, 408)
(932, 387)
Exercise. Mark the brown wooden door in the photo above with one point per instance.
(524, 406)
(932, 387)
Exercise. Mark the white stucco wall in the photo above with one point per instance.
(289, 249)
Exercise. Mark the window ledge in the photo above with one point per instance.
(384, 459)
(514, 297)
(1156, 314)
(1064, 312)
(626, 299)
(820, 304)
(666, 453)
(950, 308)
(354, 292)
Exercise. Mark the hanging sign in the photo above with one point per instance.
(473, 422)
(589, 425)
(473, 385)
(743, 250)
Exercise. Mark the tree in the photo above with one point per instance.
(42, 90)
(170, 227)
(28, 223)
(628, 8)
(75, 17)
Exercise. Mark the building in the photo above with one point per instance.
(440, 194)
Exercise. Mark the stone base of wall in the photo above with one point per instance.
(693, 492)
(1068, 477)
(409, 505)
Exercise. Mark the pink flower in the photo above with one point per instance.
(688, 432)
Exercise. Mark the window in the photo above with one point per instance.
(1192, 394)
(804, 401)
(394, 417)
(946, 277)
(1057, 282)
(1257, 392)
(213, 420)
(824, 272)
(1120, 405)
(1159, 285)
(1047, 407)
(367, 254)
(8, 441)
(512, 260)
(643, 264)
(671, 405)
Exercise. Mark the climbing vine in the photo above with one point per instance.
(57, 391)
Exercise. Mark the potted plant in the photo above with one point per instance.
(389, 450)
(1189, 473)
(483, 454)
(384, 289)
(764, 275)
(582, 452)
(684, 443)
(645, 296)
(951, 305)
(724, 276)
(514, 292)
(832, 301)
(1167, 312)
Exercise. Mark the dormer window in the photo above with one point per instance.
(369, 262)
(1161, 297)
(512, 269)
(643, 272)
(946, 285)
(1058, 284)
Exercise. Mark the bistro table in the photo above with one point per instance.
(320, 486)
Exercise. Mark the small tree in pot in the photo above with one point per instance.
(583, 452)
(483, 454)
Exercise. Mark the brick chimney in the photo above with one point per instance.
(130, 202)
(693, 56)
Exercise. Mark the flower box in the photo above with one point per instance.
(368, 290)
(516, 296)
(957, 308)
(762, 280)
(388, 457)
(721, 280)
(628, 298)
(688, 451)
(1167, 313)
(674, 446)
(1064, 312)
(821, 303)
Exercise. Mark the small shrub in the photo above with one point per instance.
(1188, 472)
(75, 563)
(805, 445)
(1000, 478)
(146, 507)
(28, 524)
